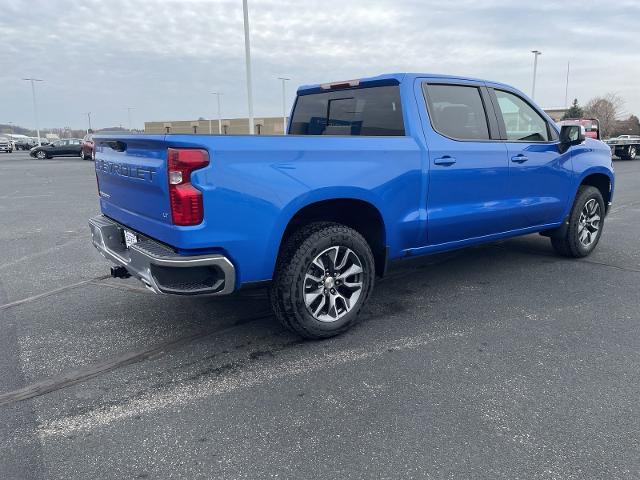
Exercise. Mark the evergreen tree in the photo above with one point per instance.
(575, 111)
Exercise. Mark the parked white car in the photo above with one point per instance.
(6, 145)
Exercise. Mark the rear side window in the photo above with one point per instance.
(375, 111)
(521, 121)
(457, 111)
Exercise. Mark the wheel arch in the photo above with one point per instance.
(602, 180)
(355, 212)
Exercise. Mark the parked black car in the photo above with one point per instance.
(68, 147)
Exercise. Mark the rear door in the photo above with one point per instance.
(469, 171)
(74, 146)
(539, 176)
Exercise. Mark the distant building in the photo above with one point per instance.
(556, 113)
(231, 126)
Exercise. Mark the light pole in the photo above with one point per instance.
(566, 89)
(35, 107)
(536, 54)
(247, 59)
(129, 115)
(217, 94)
(284, 105)
(89, 117)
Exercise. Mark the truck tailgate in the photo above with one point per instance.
(132, 177)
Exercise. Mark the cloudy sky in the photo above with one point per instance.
(163, 57)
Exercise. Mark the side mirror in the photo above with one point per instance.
(571, 135)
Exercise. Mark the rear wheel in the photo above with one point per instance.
(631, 153)
(324, 275)
(586, 221)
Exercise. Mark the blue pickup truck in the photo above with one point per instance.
(372, 172)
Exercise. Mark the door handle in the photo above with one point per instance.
(519, 158)
(446, 160)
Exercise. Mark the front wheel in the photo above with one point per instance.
(584, 229)
(324, 276)
(41, 155)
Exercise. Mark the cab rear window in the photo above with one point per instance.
(373, 111)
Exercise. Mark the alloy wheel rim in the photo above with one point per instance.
(589, 222)
(333, 283)
(41, 155)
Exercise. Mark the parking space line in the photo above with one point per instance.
(51, 292)
(80, 375)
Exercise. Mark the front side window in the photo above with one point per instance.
(375, 111)
(457, 111)
(521, 121)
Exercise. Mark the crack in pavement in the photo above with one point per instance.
(52, 292)
(41, 253)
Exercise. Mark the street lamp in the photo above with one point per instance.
(89, 117)
(35, 108)
(217, 94)
(129, 115)
(536, 54)
(247, 59)
(566, 88)
(284, 105)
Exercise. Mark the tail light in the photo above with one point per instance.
(185, 199)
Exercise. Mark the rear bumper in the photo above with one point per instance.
(160, 268)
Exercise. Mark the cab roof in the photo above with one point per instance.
(387, 79)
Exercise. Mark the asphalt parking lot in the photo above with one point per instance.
(503, 361)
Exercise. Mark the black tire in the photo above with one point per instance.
(287, 288)
(41, 155)
(568, 244)
(631, 152)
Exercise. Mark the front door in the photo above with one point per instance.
(469, 170)
(62, 148)
(539, 176)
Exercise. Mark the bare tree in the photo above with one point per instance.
(607, 110)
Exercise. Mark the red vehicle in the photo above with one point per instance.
(591, 126)
(87, 147)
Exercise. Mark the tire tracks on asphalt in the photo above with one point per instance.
(75, 376)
